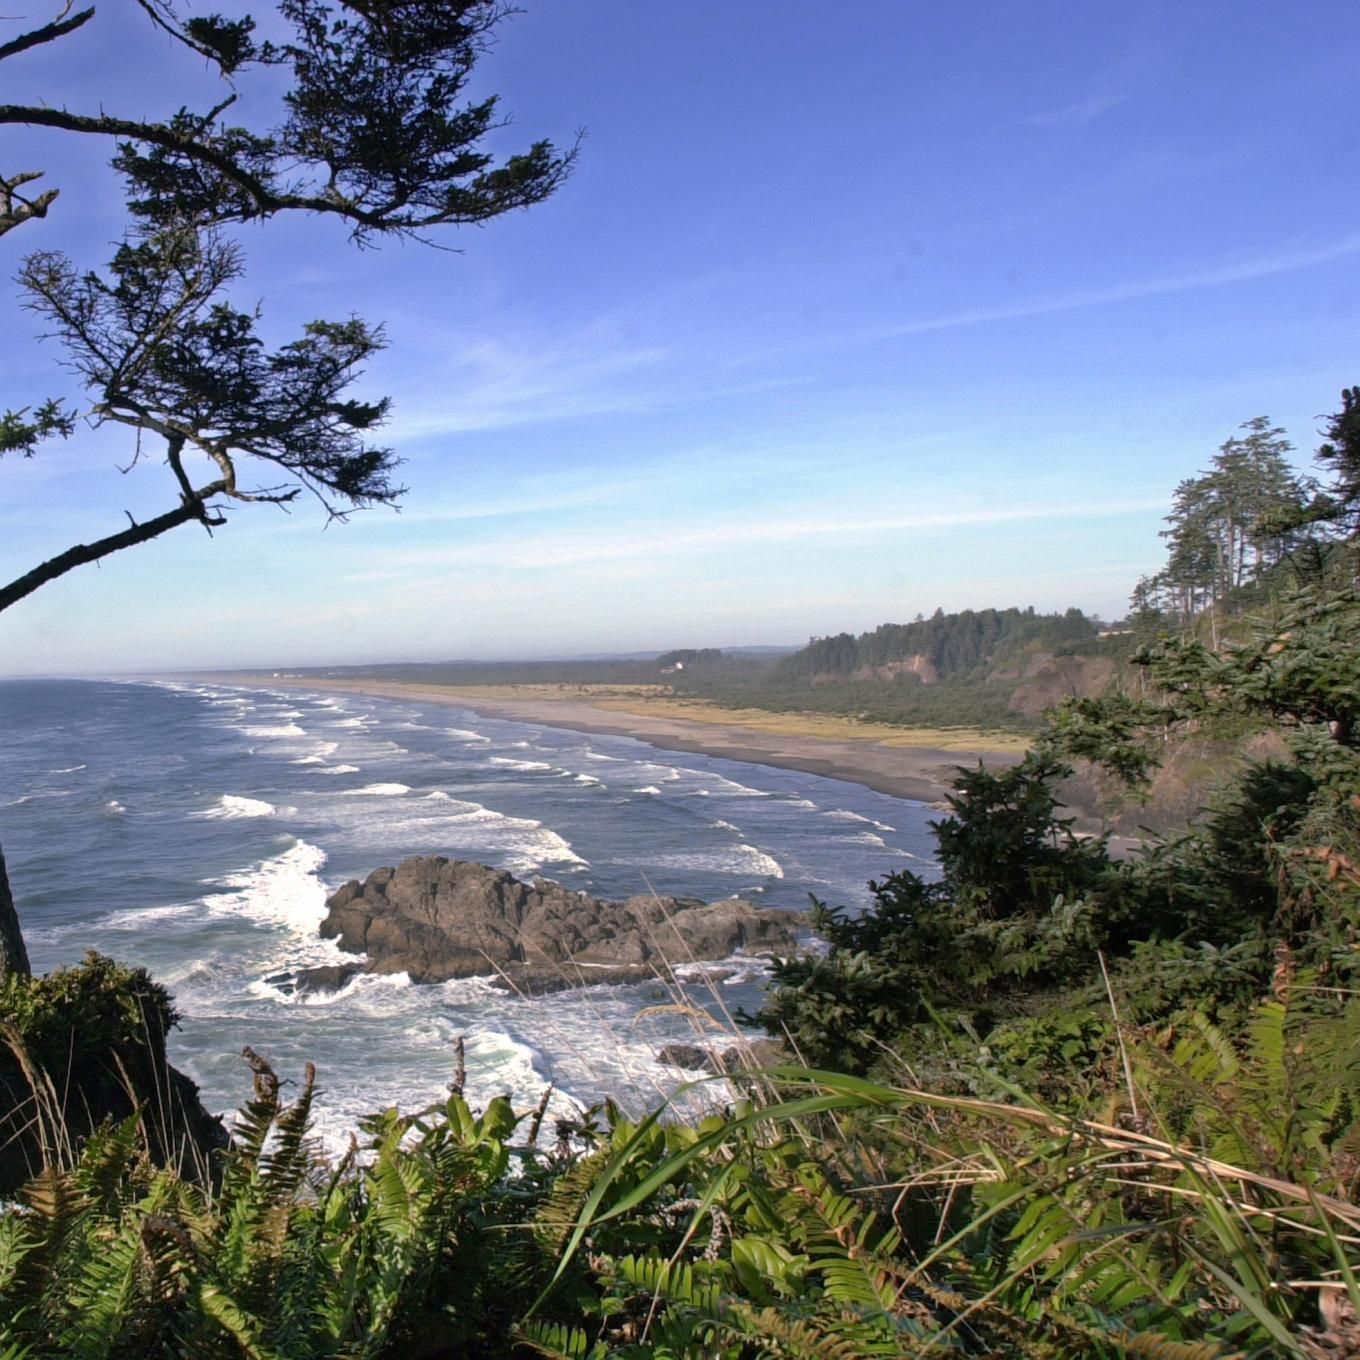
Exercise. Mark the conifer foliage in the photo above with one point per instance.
(373, 128)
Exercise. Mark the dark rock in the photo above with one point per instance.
(689, 1056)
(753, 1054)
(748, 1056)
(13, 955)
(328, 977)
(436, 918)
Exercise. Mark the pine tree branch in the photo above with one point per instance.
(58, 28)
(195, 508)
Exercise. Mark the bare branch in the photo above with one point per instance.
(10, 214)
(58, 28)
(194, 508)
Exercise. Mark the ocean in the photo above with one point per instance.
(197, 829)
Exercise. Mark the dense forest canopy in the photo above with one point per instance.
(952, 644)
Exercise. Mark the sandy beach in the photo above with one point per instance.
(902, 762)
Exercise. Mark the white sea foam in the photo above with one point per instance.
(725, 826)
(729, 788)
(319, 753)
(379, 790)
(845, 815)
(648, 788)
(338, 769)
(17, 802)
(463, 734)
(438, 796)
(286, 730)
(589, 779)
(68, 769)
(742, 859)
(140, 918)
(284, 890)
(231, 806)
(350, 722)
(509, 764)
(869, 838)
(114, 808)
(522, 844)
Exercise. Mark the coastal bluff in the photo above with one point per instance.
(435, 918)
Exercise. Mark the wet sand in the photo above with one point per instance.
(923, 773)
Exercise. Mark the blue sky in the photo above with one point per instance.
(849, 311)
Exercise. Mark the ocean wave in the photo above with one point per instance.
(17, 802)
(68, 769)
(729, 788)
(869, 838)
(350, 722)
(284, 890)
(721, 825)
(743, 859)
(114, 808)
(438, 796)
(648, 788)
(286, 730)
(507, 763)
(139, 918)
(845, 815)
(463, 734)
(589, 779)
(338, 769)
(231, 806)
(378, 790)
(522, 844)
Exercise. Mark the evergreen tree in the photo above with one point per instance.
(1232, 524)
(373, 128)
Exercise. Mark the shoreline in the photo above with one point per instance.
(921, 774)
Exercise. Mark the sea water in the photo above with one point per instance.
(197, 829)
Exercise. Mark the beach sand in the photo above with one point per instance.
(902, 762)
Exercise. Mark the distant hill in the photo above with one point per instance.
(936, 648)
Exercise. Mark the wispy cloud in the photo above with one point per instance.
(576, 548)
(1077, 114)
(489, 385)
(1241, 271)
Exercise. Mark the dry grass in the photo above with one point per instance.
(658, 701)
(801, 724)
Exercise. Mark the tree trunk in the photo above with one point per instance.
(13, 955)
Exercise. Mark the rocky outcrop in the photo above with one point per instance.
(13, 955)
(920, 666)
(736, 1058)
(320, 981)
(436, 918)
(1046, 680)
